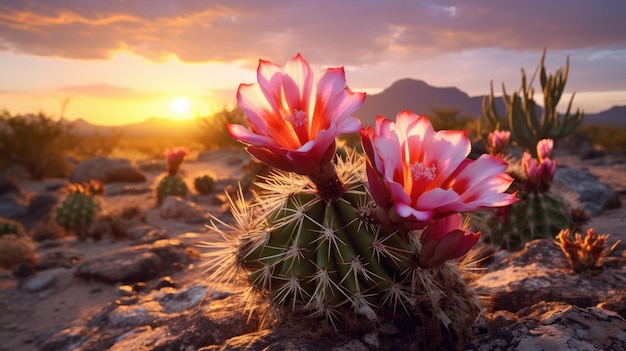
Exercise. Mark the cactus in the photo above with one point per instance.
(521, 110)
(171, 185)
(8, 226)
(536, 215)
(76, 212)
(204, 184)
(328, 259)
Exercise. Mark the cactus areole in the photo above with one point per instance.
(361, 236)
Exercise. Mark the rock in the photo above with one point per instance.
(58, 258)
(594, 195)
(42, 280)
(107, 171)
(136, 264)
(38, 210)
(174, 207)
(539, 273)
(185, 319)
(13, 202)
(8, 185)
(156, 166)
(118, 189)
(576, 143)
(557, 326)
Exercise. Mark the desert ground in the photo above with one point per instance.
(28, 317)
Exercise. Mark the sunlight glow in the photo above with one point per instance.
(181, 105)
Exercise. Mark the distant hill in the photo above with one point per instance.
(419, 97)
(410, 94)
(152, 127)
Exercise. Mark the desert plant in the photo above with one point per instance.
(585, 256)
(521, 110)
(353, 242)
(204, 184)
(542, 210)
(77, 210)
(16, 249)
(172, 184)
(8, 226)
(213, 133)
(35, 142)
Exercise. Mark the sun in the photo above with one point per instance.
(180, 106)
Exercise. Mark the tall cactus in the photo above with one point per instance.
(521, 110)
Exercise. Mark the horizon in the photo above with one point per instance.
(114, 63)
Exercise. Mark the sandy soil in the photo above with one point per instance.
(26, 318)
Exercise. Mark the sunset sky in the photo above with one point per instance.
(123, 61)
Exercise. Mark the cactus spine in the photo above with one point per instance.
(327, 259)
(521, 110)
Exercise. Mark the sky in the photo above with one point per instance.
(116, 62)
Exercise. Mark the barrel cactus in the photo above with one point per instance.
(359, 241)
(204, 184)
(8, 226)
(542, 210)
(76, 212)
(171, 185)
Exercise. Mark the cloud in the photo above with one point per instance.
(327, 32)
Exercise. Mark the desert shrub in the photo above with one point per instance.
(16, 249)
(444, 118)
(8, 226)
(97, 145)
(212, 132)
(609, 138)
(35, 142)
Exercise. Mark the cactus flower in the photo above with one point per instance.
(295, 116)
(445, 240)
(497, 142)
(418, 175)
(540, 173)
(174, 158)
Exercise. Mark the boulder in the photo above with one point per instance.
(107, 171)
(136, 264)
(176, 208)
(555, 326)
(594, 195)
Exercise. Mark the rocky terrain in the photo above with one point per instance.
(146, 291)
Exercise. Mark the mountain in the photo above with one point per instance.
(419, 97)
(152, 127)
(409, 94)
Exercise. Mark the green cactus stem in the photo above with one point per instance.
(171, 185)
(521, 110)
(326, 259)
(76, 212)
(204, 184)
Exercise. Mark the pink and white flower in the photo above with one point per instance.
(295, 115)
(446, 239)
(417, 175)
(540, 173)
(174, 158)
(497, 142)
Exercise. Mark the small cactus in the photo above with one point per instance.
(204, 184)
(8, 226)
(171, 185)
(585, 255)
(521, 111)
(77, 211)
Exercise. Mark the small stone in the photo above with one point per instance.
(42, 281)
(165, 282)
(125, 290)
(126, 300)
